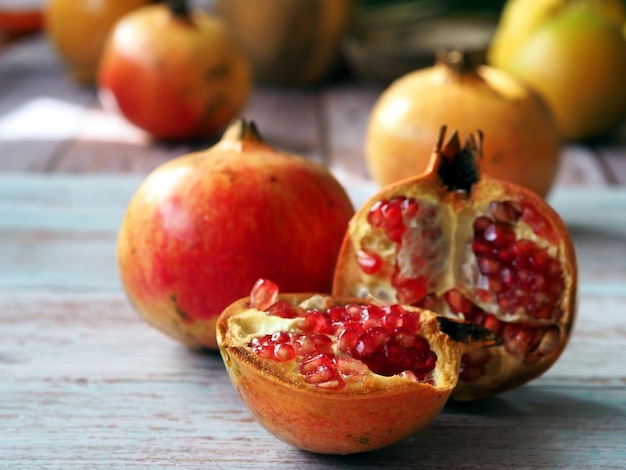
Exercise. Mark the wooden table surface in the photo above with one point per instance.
(85, 383)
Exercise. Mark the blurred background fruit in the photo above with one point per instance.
(78, 30)
(573, 53)
(289, 42)
(174, 71)
(522, 144)
(20, 16)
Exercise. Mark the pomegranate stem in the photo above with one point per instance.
(458, 166)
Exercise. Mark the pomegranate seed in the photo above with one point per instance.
(485, 295)
(283, 309)
(370, 341)
(313, 361)
(429, 302)
(284, 352)
(409, 291)
(540, 260)
(264, 293)
(375, 216)
(388, 216)
(505, 211)
(304, 345)
(319, 370)
(409, 375)
(501, 235)
(517, 338)
(347, 339)
(489, 266)
(492, 323)
(314, 321)
(480, 224)
(458, 302)
(482, 249)
(393, 320)
(369, 261)
(280, 337)
(394, 353)
(349, 367)
(404, 337)
(323, 343)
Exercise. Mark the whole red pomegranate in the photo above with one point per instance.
(472, 248)
(202, 228)
(174, 72)
(359, 375)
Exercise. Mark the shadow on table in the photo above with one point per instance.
(526, 428)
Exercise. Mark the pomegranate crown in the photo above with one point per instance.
(458, 166)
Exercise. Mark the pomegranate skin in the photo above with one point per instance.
(176, 75)
(457, 91)
(368, 412)
(203, 227)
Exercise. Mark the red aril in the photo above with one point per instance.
(338, 375)
(475, 249)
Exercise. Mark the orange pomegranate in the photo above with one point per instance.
(459, 92)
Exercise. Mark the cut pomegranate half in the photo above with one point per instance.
(341, 376)
(474, 249)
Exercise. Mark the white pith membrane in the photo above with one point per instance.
(448, 262)
(243, 327)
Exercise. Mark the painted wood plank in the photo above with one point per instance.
(107, 143)
(70, 222)
(614, 158)
(86, 383)
(579, 166)
(287, 119)
(40, 109)
(346, 113)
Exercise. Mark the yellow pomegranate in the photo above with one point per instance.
(523, 145)
(78, 30)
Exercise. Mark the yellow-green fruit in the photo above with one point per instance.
(573, 53)
(518, 20)
(577, 62)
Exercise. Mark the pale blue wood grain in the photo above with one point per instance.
(86, 384)
(80, 216)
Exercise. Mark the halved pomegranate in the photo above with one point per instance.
(471, 248)
(340, 376)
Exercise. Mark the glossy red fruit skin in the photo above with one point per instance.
(175, 75)
(458, 208)
(201, 229)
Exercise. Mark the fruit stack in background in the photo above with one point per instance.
(572, 53)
